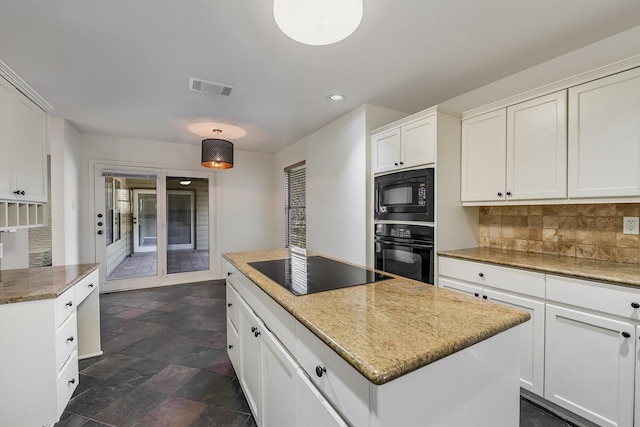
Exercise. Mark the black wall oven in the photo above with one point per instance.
(405, 250)
(405, 196)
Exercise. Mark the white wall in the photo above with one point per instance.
(337, 182)
(245, 192)
(604, 52)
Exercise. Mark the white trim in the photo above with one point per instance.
(413, 118)
(23, 87)
(588, 76)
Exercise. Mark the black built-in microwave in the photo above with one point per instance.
(405, 196)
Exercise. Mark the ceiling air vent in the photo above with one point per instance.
(212, 88)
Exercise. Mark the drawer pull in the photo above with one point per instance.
(320, 370)
(253, 329)
(476, 294)
(256, 333)
(69, 304)
(485, 297)
(481, 274)
(229, 304)
(230, 346)
(626, 334)
(91, 285)
(228, 273)
(72, 381)
(70, 339)
(635, 305)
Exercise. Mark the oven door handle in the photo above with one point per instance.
(400, 243)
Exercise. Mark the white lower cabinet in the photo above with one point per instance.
(249, 333)
(312, 409)
(457, 275)
(279, 371)
(590, 365)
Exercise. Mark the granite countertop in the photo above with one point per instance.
(389, 328)
(31, 284)
(604, 271)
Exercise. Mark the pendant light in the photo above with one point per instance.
(317, 22)
(217, 153)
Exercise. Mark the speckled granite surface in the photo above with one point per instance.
(31, 284)
(604, 271)
(390, 328)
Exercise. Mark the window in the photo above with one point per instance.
(295, 205)
(113, 200)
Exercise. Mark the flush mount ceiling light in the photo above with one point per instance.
(335, 97)
(185, 181)
(317, 22)
(217, 153)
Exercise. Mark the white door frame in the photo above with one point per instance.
(138, 221)
(97, 248)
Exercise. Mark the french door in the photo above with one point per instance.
(153, 226)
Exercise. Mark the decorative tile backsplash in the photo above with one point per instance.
(580, 231)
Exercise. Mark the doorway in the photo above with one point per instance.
(145, 221)
(153, 226)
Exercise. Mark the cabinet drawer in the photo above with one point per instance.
(66, 340)
(346, 388)
(233, 347)
(67, 382)
(277, 319)
(233, 305)
(65, 306)
(87, 285)
(510, 279)
(613, 299)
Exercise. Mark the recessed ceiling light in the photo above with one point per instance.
(335, 97)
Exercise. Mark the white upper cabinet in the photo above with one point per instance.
(517, 153)
(604, 137)
(408, 146)
(537, 148)
(484, 157)
(23, 147)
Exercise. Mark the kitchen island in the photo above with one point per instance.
(395, 352)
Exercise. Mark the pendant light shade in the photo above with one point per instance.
(217, 153)
(317, 22)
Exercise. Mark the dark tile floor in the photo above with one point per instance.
(144, 264)
(165, 364)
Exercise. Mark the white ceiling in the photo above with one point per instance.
(122, 67)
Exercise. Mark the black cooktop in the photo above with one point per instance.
(322, 274)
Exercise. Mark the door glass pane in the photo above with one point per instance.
(131, 226)
(187, 224)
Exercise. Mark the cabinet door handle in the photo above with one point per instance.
(69, 304)
(396, 163)
(509, 193)
(499, 194)
(256, 333)
(70, 339)
(230, 346)
(485, 297)
(626, 334)
(401, 163)
(253, 329)
(100, 232)
(228, 273)
(635, 305)
(91, 285)
(320, 370)
(72, 381)
(19, 192)
(229, 304)
(481, 274)
(477, 294)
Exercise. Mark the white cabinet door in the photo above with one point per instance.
(29, 136)
(484, 157)
(418, 142)
(7, 185)
(637, 401)
(249, 332)
(531, 339)
(312, 409)
(537, 148)
(386, 147)
(604, 137)
(465, 288)
(279, 384)
(589, 366)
